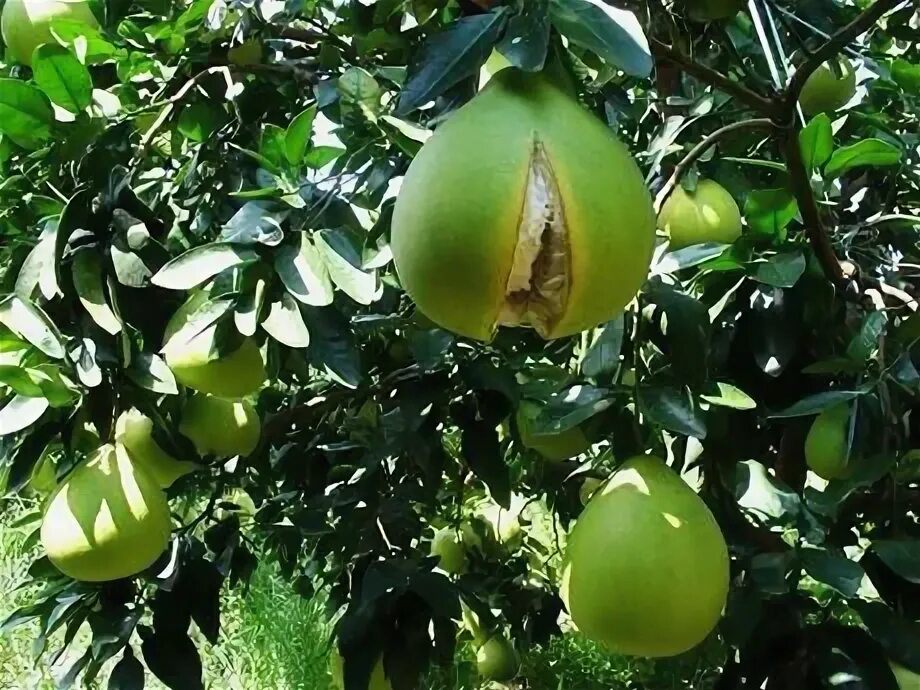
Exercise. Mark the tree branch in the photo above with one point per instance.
(754, 101)
(703, 147)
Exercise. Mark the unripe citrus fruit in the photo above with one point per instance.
(713, 10)
(907, 679)
(497, 659)
(827, 443)
(449, 549)
(559, 446)
(522, 210)
(646, 567)
(708, 214)
(824, 91)
(26, 24)
(588, 487)
(194, 364)
(221, 427)
(134, 434)
(108, 520)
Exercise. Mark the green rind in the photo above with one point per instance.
(221, 427)
(26, 24)
(646, 567)
(823, 92)
(827, 443)
(708, 214)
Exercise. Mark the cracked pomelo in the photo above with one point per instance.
(707, 214)
(134, 434)
(827, 443)
(221, 427)
(193, 360)
(107, 520)
(646, 568)
(824, 91)
(497, 659)
(26, 24)
(561, 446)
(522, 210)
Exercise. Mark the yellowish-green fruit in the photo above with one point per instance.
(378, 680)
(708, 214)
(907, 679)
(646, 568)
(134, 435)
(450, 551)
(505, 524)
(497, 659)
(827, 443)
(825, 92)
(221, 427)
(194, 363)
(588, 487)
(26, 24)
(108, 520)
(713, 10)
(517, 211)
(566, 444)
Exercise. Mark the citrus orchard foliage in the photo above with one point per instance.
(202, 309)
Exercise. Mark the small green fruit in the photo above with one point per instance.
(192, 360)
(566, 444)
(221, 427)
(108, 520)
(134, 433)
(824, 92)
(497, 660)
(26, 24)
(708, 214)
(517, 210)
(646, 568)
(449, 549)
(827, 443)
(907, 679)
(713, 10)
(588, 488)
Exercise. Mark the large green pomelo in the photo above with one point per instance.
(497, 660)
(378, 680)
(562, 446)
(134, 433)
(907, 679)
(221, 427)
(194, 364)
(824, 92)
(827, 443)
(713, 10)
(522, 209)
(646, 568)
(108, 520)
(26, 24)
(450, 551)
(708, 214)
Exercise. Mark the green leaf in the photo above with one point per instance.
(18, 379)
(525, 43)
(150, 372)
(780, 270)
(303, 272)
(20, 413)
(614, 34)
(332, 346)
(26, 116)
(198, 265)
(815, 404)
(63, 78)
(603, 356)
(899, 636)
(817, 141)
(769, 211)
(448, 57)
(32, 324)
(343, 262)
(687, 329)
(321, 156)
(833, 569)
(691, 256)
(256, 222)
(672, 408)
(360, 93)
(285, 323)
(570, 407)
(198, 121)
(88, 282)
(726, 395)
(128, 674)
(906, 75)
(862, 153)
(901, 555)
(763, 496)
(297, 137)
(866, 341)
(85, 40)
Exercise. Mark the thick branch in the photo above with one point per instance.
(832, 47)
(703, 147)
(755, 101)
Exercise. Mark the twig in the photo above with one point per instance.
(701, 148)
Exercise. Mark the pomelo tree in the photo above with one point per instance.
(197, 201)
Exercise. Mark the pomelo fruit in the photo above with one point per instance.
(588, 487)
(825, 92)
(713, 10)
(107, 520)
(194, 364)
(561, 446)
(907, 679)
(134, 435)
(708, 214)
(516, 212)
(497, 659)
(646, 568)
(221, 427)
(448, 547)
(827, 443)
(26, 24)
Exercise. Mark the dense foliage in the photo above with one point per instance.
(248, 153)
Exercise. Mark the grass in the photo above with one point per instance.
(273, 639)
